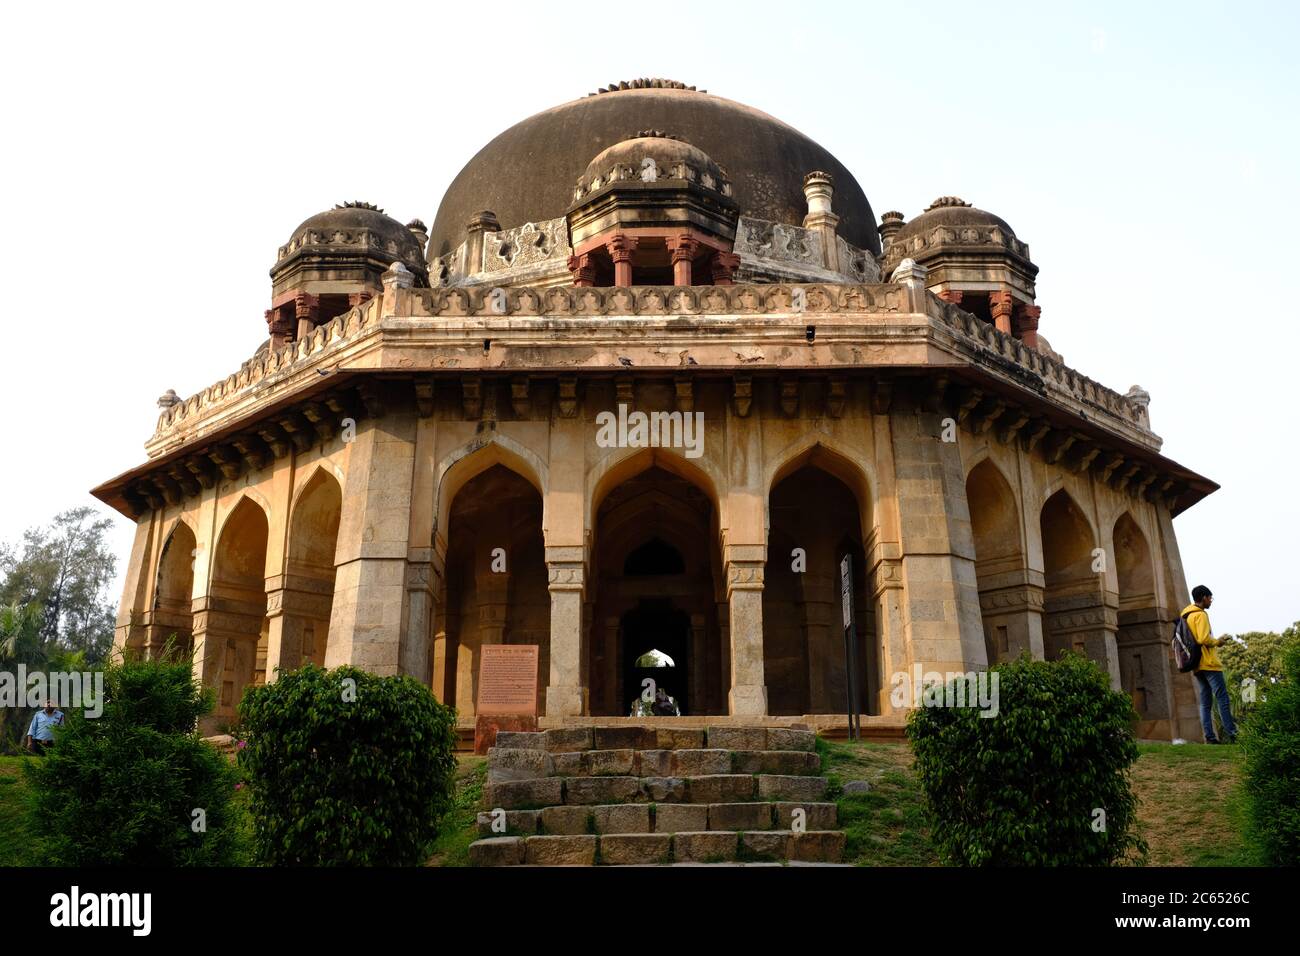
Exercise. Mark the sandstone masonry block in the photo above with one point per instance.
(737, 738)
(792, 762)
(623, 818)
(695, 763)
(764, 845)
(704, 847)
(653, 763)
(817, 816)
(685, 738)
(517, 821)
(589, 790)
(519, 740)
(740, 816)
(779, 787)
(817, 846)
(611, 763)
(507, 764)
(568, 765)
(680, 817)
(525, 794)
(663, 789)
(721, 788)
(568, 739)
(497, 851)
(626, 738)
(783, 738)
(560, 851)
(565, 821)
(629, 848)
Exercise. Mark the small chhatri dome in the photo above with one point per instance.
(953, 212)
(353, 232)
(648, 157)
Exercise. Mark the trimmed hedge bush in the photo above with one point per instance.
(1022, 788)
(123, 788)
(346, 768)
(1271, 740)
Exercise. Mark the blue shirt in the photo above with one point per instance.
(42, 724)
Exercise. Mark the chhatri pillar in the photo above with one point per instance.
(620, 249)
(1001, 305)
(683, 249)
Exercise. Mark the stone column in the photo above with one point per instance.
(941, 607)
(1026, 323)
(280, 326)
(129, 631)
(724, 268)
(306, 309)
(1001, 305)
(748, 696)
(292, 611)
(565, 694)
(583, 269)
(682, 249)
(620, 249)
(698, 665)
(370, 559)
(818, 187)
(484, 222)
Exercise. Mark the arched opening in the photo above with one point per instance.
(1143, 654)
(1074, 610)
(654, 588)
(173, 618)
(239, 593)
(814, 520)
(309, 579)
(495, 585)
(1010, 615)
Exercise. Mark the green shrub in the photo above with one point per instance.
(346, 768)
(1021, 788)
(122, 788)
(1271, 741)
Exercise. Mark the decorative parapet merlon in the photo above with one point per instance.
(1049, 370)
(271, 364)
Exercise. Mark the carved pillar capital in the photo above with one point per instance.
(583, 269)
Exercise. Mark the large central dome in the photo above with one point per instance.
(527, 174)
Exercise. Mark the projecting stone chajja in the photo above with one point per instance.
(410, 465)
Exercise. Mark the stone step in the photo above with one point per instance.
(509, 764)
(665, 818)
(627, 849)
(536, 793)
(578, 739)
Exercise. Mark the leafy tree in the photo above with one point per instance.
(66, 570)
(1271, 741)
(346, 768)
(137, 786)
(1044, 782)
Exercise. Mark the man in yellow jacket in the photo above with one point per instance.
(1209, 672)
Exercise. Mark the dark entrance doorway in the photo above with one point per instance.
(655, 625)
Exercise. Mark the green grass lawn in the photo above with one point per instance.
(460, 827)
(17, 847)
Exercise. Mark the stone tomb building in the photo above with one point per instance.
(419, 461)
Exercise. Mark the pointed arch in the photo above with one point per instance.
(850, 466)
(477, 456)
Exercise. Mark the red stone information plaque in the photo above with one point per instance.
(507, 680)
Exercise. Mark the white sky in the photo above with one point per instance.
(154, 158)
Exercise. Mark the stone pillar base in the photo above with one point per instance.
(562, 701)
(747, 700)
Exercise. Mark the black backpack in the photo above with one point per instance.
(1187, 652)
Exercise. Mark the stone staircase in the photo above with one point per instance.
(582, 796)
